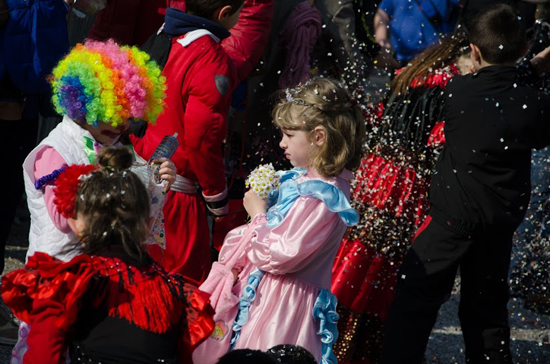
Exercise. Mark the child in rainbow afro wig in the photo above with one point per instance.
(99, 87)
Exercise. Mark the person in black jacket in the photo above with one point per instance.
(478, 196)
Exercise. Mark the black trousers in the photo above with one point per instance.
(425, 281)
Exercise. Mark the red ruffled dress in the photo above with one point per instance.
(390, 194)
(106, 309)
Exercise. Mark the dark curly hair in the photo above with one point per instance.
(291, 354)
(115, 206)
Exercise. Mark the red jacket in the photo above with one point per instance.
(201, 76)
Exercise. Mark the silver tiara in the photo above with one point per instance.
(290, 98)
(290, 92)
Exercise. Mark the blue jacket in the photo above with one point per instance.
(32, 42)
(415, 24)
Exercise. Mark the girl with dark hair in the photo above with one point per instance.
(105, 303)
(390, 194)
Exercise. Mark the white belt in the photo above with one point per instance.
(184, 185)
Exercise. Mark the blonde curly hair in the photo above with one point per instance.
(323, 102)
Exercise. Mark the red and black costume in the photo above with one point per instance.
(106, 308)
(204, 66)
(390, 193)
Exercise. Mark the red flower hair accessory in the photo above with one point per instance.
(66, 187)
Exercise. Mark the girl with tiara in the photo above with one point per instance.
(287, 262)
(98, 88)
(112, 303)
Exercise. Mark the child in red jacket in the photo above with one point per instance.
(205, 64)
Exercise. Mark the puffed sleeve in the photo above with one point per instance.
(46, 294)
(284, 248)
(233, 239)
(47, 161)
(44, 277)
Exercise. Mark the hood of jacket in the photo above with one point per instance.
(177, 23)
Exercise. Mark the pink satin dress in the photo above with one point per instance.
(296, 256)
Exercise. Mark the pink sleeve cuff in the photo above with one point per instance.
(47, 161)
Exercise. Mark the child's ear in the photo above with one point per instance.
(319, 136)
(224, 12)
(475, 55)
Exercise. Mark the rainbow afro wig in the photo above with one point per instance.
(102, 81)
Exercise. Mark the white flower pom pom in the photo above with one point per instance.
(263, 179)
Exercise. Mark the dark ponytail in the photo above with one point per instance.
(115, 206)
(118, 158)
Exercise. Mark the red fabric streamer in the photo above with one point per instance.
(127, 292)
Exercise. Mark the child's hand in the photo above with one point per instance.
(167, 170)
(253, 204)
